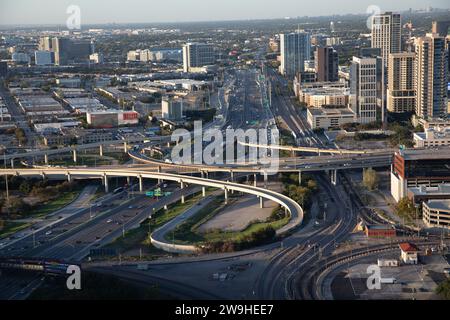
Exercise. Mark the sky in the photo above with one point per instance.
(19, 12)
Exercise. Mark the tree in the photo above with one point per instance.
(406, 209)
(370, 179)
(444, 289)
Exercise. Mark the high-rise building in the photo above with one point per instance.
(45, 44)
(367, 88)
(61, 48)
(197, 55)
(3, 69)
(441, 27)
(44, 58)
(172, 108)
(326, 61)
(431, 74)
(295, 48)
(386, 34)
(401, 93)
(67, 50)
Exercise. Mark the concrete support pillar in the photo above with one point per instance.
(255, 180)
(128, 180)
(46, 158)
(202, 174)
(182, 187)
(74, 151)
(159, 171)
(141, 184)
(168, 144)
(265, 179)
(12, 163)
(125, 147)
(226, 195)
(204, 191)
(293, 153)
(261, 202)
(231, 176)
(333, 176)
(69, 177)
(299, 178)
(105, 183)
(101, 151)
(43, 175)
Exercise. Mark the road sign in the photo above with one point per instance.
(150, 194)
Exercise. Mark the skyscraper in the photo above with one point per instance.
(386, 34)
(401, 94)
(326, 61)
(45, 44)
(295, 48)
(3, 69)
(431, 76)
(61, 48)
(367, 87)
(196, 55)
(441, 27)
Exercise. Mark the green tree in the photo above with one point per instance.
(370, 179)
(443, 289)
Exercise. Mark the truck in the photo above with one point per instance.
(387, 263)
(388, 280)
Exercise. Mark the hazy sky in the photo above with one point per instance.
(122, 11)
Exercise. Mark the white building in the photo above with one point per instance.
(96, 58)
(409, 253)
(43, 58)
(386, 34)
(366, 87)
(436, 213)
(326, 118)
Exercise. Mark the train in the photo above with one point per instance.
(48, 267)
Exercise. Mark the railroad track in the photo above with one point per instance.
(307, 285)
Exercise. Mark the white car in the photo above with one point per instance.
(48, 233)
(109, 221)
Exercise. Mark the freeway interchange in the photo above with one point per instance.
(281, 268)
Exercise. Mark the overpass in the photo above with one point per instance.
(73, 149)
(290, 206)
(312, 149)
(309, 164)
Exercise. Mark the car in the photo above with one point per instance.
(48, 233)
(109, 221)
(130, 207)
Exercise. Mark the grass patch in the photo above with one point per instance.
(186, 233)
(139, 237)
(11, 227)
(53, 205)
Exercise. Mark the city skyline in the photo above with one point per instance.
(23, 12)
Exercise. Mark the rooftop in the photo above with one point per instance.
(425, 154)
(438, 204)
(442, 189)
(330, 112)
(408, 247)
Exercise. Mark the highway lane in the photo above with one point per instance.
(44, 236)
(20, 239)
